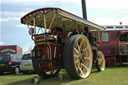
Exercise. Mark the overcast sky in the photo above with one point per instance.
(12, 32)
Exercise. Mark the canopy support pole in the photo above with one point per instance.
(34, 23)
(52, 21)
(45, 25)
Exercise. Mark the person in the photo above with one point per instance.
(59, 32)
(86, 33)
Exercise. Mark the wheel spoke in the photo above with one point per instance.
(85, 49)
(86, 54)
(81, 43)
(86, 58)
(81, 67)
(76, 51)
(78, 46)
(76, 67)
(76, 61)
(100, 60)
(85, 67)
(76, 56)
(81, 72)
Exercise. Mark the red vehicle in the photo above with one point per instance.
(114, 45)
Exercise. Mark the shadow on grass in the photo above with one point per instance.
(95, 72)
(117, 67)
(55, 80)
(7, 73)
(49, 81)
(11, 73)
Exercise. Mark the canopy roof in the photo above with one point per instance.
(58, 18)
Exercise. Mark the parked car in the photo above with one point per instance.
(26, 63)
(10, 63)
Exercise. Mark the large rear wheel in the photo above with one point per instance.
(100, 62)
(77, 57)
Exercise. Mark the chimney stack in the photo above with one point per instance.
(84, 9)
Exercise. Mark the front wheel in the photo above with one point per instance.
(100, 62)
(77, 57)
(37, 69)
(43, 73)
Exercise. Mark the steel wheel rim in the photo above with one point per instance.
(101, 61)
(52, 72)
(83, 57)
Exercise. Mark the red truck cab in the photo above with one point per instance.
(114, 45)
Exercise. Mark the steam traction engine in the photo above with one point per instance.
(63, 41)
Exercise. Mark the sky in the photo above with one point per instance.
(12, 32)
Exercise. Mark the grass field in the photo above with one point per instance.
(111, 76)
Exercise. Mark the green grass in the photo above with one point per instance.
(111, 76)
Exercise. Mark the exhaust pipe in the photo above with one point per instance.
(84, 9)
